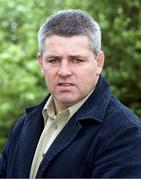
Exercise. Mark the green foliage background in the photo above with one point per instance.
(21, 83)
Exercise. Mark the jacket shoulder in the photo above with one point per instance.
(121, 114)
(118, 119)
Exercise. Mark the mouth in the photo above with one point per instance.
(66, 84)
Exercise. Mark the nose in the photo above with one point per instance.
(64, 69)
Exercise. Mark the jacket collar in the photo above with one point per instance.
(95, 106)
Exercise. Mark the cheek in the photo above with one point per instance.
(49, 74)
(48, 77)
(87, 74)
(87, 78)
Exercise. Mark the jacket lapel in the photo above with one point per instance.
(30, 135)
(64, 139)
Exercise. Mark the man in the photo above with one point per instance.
(80, 130)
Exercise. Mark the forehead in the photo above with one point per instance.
(59, 44)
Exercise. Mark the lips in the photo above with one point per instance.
(66, 84)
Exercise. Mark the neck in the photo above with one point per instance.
(60, 107)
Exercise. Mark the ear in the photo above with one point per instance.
(40, 61)
(100, 62)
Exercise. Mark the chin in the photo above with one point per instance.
(67, 100)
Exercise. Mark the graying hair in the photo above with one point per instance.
(69, 23)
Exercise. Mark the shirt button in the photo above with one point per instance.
(55, 127)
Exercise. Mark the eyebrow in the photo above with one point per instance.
(60, 57)
(51, 56)
(79, 56)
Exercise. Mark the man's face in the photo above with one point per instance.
(70, 69)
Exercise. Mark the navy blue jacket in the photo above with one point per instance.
(102, 140)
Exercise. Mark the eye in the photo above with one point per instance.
(78, 60)
(53, 60)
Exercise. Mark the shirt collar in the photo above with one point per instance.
(48, 109)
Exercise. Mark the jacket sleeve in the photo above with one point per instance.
(4, 158)
(120, 156)
(3, 163)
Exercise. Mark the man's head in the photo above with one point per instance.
(70, 56)
(69, 23)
